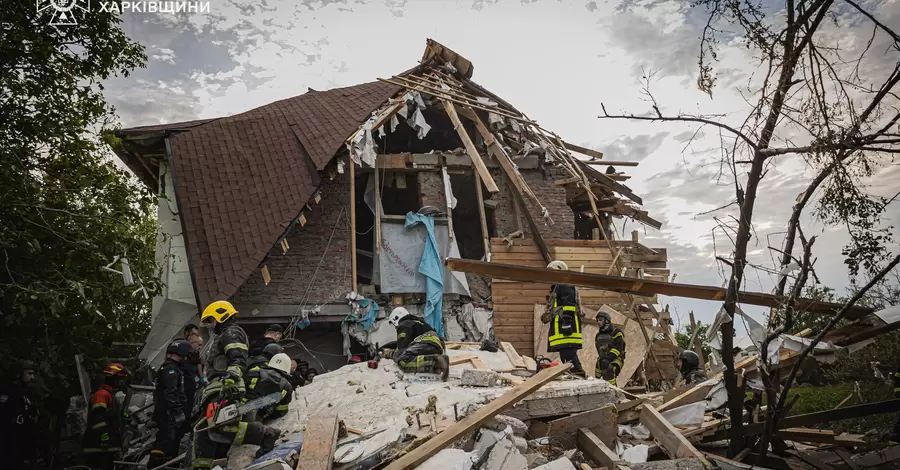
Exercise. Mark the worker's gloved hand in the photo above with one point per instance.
(202, 381)
(104, 441)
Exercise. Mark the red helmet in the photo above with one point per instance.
(115, 370)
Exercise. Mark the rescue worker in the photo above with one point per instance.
(610, 342)
(102, 441)
(296, 376)
(171, 405)
(18, 419)
(689, 365)
(225, 364)
(193, 371)
(265, 356)
(274, 333)
(419, 348)
(269, 379)
(565, 318)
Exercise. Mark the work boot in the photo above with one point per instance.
(442, 364)
(157, 458)
(268, 441)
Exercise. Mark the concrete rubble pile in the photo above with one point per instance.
(486, 416)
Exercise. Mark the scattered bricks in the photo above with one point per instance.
(500, 422)
(562, 463)
(481, 378)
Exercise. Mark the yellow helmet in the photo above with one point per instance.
(220, 311)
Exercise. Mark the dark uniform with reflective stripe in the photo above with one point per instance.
(226, 358)
(102, 440)
(565, 325)
(169, 412)
(266, 381)
(610, 353)
(418, 345)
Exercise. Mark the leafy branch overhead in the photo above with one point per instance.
(66, 209)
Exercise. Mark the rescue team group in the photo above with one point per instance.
(230, 371)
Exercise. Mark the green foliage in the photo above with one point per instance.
(683, 337)
(814, 399)
(803, 320)
(66, 209)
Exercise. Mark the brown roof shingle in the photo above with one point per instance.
(242, 179)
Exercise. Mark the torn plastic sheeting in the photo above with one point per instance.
(637, 431)
(687, 415)
(448, 190)
(823, 352)
(717, 396)
(787, 269)
(362, 148)
(394, 123)
(417, 122)
(633, 454)
(401, 252)
(478, 322)
(721, 318)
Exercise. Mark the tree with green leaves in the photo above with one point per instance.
(683, 337)
(66, 209)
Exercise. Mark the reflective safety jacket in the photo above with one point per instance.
(611, 346)
(104, 423)
(411, 327)
(265, 381)
(565, 325)
(228, 352)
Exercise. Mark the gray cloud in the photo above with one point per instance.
(633, 148)
(674, 52)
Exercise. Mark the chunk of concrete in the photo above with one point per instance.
(521, 443)
(480, 378)
(562, 463)
(500, 422)
(456, 459)
(563, 398)
(505, 456)
(536, 460)
(487, 438)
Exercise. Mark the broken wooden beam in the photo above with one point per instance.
(670, 438)
(601, 421)
(448, 436)
(477, 161)
(612, 163)
(583, 150)
(318, 442)
(643, 287)
(596, 450)
(808, 419)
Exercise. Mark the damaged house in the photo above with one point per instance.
(325, 210)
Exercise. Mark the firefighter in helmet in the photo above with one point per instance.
(565, 319)
(102, 441)
(610, 342)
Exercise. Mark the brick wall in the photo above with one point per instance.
(292, 273)
(431, 189)
(553, 197)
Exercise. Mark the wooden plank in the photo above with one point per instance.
(319, 442)
(511, 353)
(695, 342)
(482, 218)
(614, 163)
(477, 161)
(868, 409)
(596, 450)
(448, 436)
(479, 364)
(583, 150)
(460, 359)
(691, 395)
(602, 422)
(637, 286)
(667, 435)
(353, 271)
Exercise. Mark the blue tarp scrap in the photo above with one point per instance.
(367, 320)
(433, 270)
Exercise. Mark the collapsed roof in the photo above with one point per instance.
(242, 180)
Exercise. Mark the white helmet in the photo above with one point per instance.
(559, 265)
(281, 362)
(396, 315)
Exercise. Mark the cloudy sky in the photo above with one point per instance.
(556, 61)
